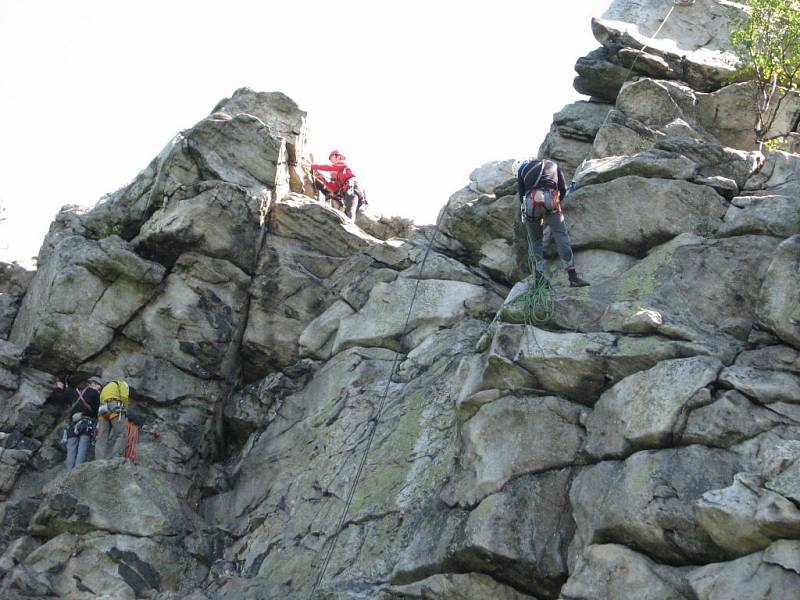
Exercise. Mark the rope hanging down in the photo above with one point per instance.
(373, 421)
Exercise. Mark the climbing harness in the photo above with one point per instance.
(374, 420)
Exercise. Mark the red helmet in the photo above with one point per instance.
(336, 153)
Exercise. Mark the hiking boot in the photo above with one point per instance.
(574, 280)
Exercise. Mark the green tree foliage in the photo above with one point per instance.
(768, 44)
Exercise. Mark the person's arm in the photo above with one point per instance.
(562, 186)
(520, 184)
(324, 168)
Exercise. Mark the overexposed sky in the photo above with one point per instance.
(415, 93)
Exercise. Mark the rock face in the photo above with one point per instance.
(343, 410)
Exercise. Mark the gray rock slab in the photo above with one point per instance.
(519, 536)
(649, 409)
(779, 175)
(113, 496)
(513, 436)
(382, 320)
(778, 307)
(217, 219)
(762, 215)
(696, 36)
(755, 577)
(119, 566)
(194, 320)
(451, 586)
(634, 214)
(614, 571)
(763, 386)
(79, 298)
(14, 281)
(656, 164)
(731, 418)
(598, 76)
(645, 502)
(745, 518)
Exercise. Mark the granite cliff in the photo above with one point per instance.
(338, 410)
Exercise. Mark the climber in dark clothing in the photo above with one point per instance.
(83, 404)
(540, 185)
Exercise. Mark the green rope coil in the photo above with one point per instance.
(538, 301)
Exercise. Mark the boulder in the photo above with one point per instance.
(622, 135)
(114, 566)
(276, 110)
(745, 518)
(513, 436)
(599, 76)
(762, 215)
(614, 571)
(779, 175)
(80, 298)
(694, 41)
(645, 502)
(241, 151)
(477, 221)
(649, 409)
(656, 164)
(716, 113)
(773, 574)
(713, 160)
(576, 365)
(436, 303)
(581, 120)
(730, 419)
(765, 386)
(26, 409)
(488, 176)
(787, 482)
(451, 586)
(217, 219)
(518, 536)
(609, 215)
(114, 497)
(658, 103)
(14, 281)
(778, 308)
(195, 320)
(699, 285)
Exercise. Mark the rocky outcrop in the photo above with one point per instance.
(377, 410)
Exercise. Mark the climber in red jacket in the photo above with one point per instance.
(343, 187)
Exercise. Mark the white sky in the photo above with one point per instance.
(416, 93)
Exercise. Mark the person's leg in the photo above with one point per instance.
(350, 203)
(558, 229)
(119, 436)
(83, 447)
(72, 451)
(101, 446)
(535, 235)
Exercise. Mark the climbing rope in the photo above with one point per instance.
(374, 420)
(129, 452)
(538, 300)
